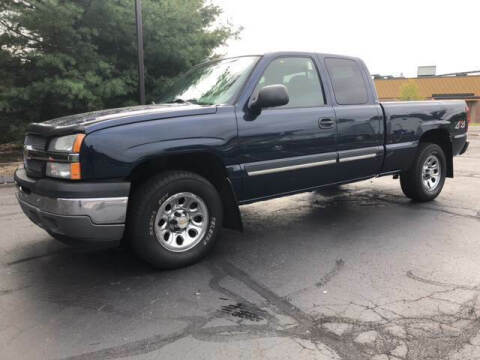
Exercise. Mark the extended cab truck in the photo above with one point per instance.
(230, 132)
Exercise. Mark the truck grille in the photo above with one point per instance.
(35, 168)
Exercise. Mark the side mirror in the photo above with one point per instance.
(269, 96)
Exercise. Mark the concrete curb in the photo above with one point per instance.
(7, 177)
(6, 180)
(473, 131)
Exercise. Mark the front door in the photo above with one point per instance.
(292, 147)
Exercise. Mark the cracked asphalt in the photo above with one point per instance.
(357, 272)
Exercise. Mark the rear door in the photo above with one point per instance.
(291, 147)
(359, 119)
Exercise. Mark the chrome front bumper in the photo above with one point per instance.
(88, 219)
(99, 210)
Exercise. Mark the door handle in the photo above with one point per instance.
(325, 123)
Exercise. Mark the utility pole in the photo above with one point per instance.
(141, 67)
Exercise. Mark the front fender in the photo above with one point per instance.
(114, 152)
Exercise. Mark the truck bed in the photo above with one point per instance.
(406, 121)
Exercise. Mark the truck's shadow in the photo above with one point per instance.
(274, 223)
(305, 225)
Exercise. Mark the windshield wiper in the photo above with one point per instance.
(190, 101)
(182, 101)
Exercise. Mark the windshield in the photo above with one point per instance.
(212, 83)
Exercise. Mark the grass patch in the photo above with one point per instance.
(8, 169)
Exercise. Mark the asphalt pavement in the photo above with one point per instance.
(358, 272)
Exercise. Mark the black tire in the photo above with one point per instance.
(146, 202)
(412, 180)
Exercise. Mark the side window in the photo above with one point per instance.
(300, 77)
(347, 80)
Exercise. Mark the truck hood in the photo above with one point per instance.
(96, 120)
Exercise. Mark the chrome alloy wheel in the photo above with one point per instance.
(431, 172)
(181, 222)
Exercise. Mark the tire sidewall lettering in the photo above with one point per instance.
(153, 215)
(210, 231)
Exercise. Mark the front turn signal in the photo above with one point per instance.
(78, 143)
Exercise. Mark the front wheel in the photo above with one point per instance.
(174, 219)
(425, 179)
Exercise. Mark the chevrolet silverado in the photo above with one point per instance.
(166, 177)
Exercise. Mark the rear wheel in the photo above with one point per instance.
(425, 179)
(174, 219)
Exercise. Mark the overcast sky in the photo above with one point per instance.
(392, 37)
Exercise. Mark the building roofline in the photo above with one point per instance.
(426, 77)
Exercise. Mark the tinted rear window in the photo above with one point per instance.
(347, 80)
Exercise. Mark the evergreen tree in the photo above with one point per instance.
(60, 57)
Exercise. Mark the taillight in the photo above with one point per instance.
(468, 114)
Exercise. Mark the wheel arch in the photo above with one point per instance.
(441, 137)
(203, 163)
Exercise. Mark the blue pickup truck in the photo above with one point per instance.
(165, 178)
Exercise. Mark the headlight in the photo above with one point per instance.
(69, 143)
(67, 165)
